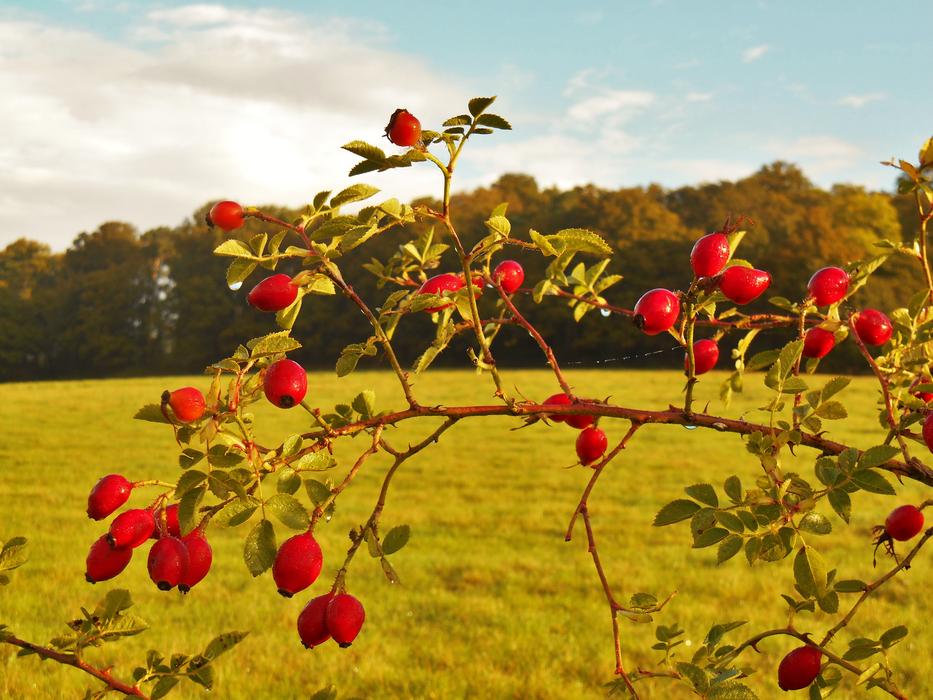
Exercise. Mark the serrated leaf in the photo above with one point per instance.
(365, 150)
(273, 344)
(876, 456)
(188, 481)
(395, 539)
(236, 512)
(235, 248)
(710, 537)
(697, 677)
(494, 121)
(817, 523)
(703, 493)
(831, 410)
(364, 403)
(893, 636)
(810, 572)
(151, 412)
(478, 105)
(189, 457)
(163, 686)
(238, 270)
(318, 492)
(731, 691)
(728, 548)
(675, 511)
(849, 586)
(289, 511)
(259, 548)
(841, 503)
(188, 509)
(733, 488)
(353, 193)
(872, 481)
(579, 240)
(223, 643)
(14, 553)
(288, 482)
(459, 120)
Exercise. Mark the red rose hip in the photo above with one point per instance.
(200, 558)
(799, 668)
(656, 311)
(710, 254)
(928, 432)
(273, 293)
(108, 494)
(285, 383)
(187, 404)
(904, 523)
(446, 282)
(344, 618)
(510, 275)
(574, 421)
(591, 445)
(104, 562)
(131, 528)
(873, 327)
(168, 562)
(403, 128)
(312, 625)
(226, 215)
(297, 564)
(167, 520)
(743, 285)
(705, 356)
(817, 342)
(828, 285)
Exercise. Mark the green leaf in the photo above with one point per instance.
(494, 121)
(459, 120)
(236, 512)
(731, 691)
(730, 521)
(850, 586)
(365, 150)
(289, 511)
(395, 539)
(893, 636)
(478, 105)
(876, 456)
(151, 412)
(872, 481)
(710, 537)
(831, 410)
(238, 271)
(189, 457)
(817, 523)
(810, 572)
(163, 687)
(318, 492)
(234, 248)
(697, 676)
(704, 493)
(328, 693)
(841, 503)
(288, 482)
(188, 481)
(675, 511)
(188, 509)
(365, 403)
(728, 548)
(354, 193)
(259, 548)
(834, 386)
(273, 344)
(291, 446)
(14, 553)
(223, 643)
(733, 488)
(579, 240)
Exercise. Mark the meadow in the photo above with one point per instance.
(492, 602)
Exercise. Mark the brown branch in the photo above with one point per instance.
(338, 489)
(256, 214)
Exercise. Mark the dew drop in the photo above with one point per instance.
(236, 285)
(605, 312)
(690, 427)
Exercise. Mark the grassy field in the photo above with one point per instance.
(493, 603)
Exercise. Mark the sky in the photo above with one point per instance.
(143, 111)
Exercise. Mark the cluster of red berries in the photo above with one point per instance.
(508, 274)
(591, 442)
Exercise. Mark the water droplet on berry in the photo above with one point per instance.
(236, 285)
(605, 312)
(690, 427)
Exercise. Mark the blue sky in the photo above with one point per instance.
(142, 111)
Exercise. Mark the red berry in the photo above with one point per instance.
(705, 356)
(591, 445)
(799, 668)
(312, 627)
(446, 282)
(710, 254)
(904, 523)
(187, 404)
(285, 383)
(131, 528)
(828, 285)
(200, 557)
(344, 618)
(873, 327)
(227, 215)
(104, 562)
(928, 431)
(297, 564)
(510, 275)
(743, 284)
(656, 311)
(172, 526)
(403, 128)
(925, 396)
(818, 342)
(168, 562)
(273, 293)
(574, 421)
(108, 494)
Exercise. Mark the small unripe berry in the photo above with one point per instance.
(710, 254)
(168, 562)
(818, 342)
(187, 404)
(705, 356)
(403, 128)
(285, 383)
(312, 625)
(873, 327)
(510, 275)
(743, 284)
(799, 668)
(108, 494)
(200, 557)
(656, 311)
(828, 285)
(226, 215)
(104, 562)
(344, 618)
(297, 564)
(591, 445)
(446, 282)
(273, 293)
(131, 528)
(904, 523)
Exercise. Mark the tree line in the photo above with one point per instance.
(119, 302)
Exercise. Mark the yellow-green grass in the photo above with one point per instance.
(493, 603)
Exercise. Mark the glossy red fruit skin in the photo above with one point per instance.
(131, 528)
(924, 396)
(172, 526)
(273, 293)
(710, 254)
(226, 215)
(445, 282)
(168, 562)
(312, 624)
(873, 327)
(108, 494)
(403, 128)
(510, 275)
(591, 445)
(344, 618)
(705, 356)
(200, 558)
(828, 285)
(743, 284)
(579, 422)
(104, 562)
(187, 404)
(656, 311)
(817, 343)
(904, 523)
(297, 564)
(799, 668)
(928, 432)
(285, 383)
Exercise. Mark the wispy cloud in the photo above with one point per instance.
(753, 53)
(818, 155)
(611, 103)
(698, 96)
(859, 101)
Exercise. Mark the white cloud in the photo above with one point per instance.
(611, 103)
(753, 53)
(698, 96)
(859, 101)
(823, 156)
